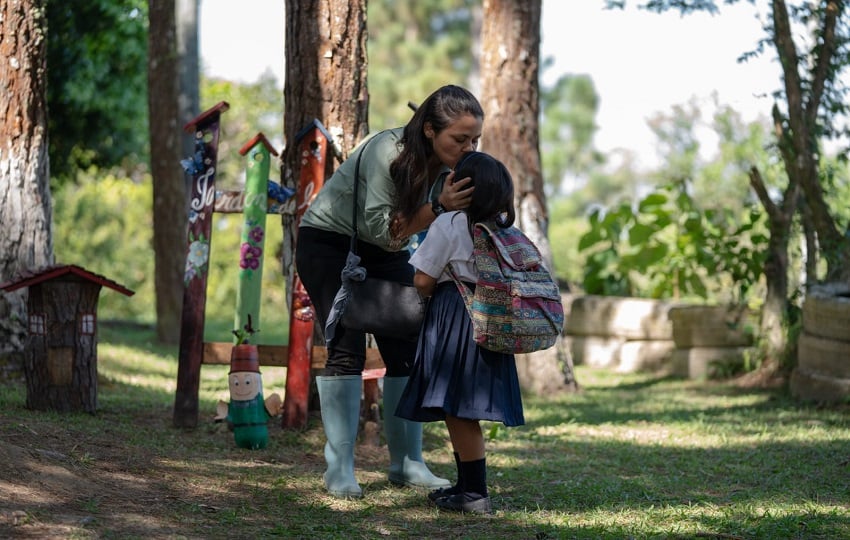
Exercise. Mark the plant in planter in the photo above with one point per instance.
(248, 412)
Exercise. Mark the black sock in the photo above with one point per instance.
(475, 476)
(458, 487)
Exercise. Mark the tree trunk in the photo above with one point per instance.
(25, 203)
(326, 67)
(169, 191)
(799, 140)
(325, 80)
(510, 63)
(774, 320)
(189, 70)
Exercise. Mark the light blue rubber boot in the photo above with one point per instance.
(340, 403)
(404, 440)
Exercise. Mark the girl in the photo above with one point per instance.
(453, 379)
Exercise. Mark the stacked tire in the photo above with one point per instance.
(711, 341)
(629, 334)
(823, 350)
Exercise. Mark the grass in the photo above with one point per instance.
(630, 456)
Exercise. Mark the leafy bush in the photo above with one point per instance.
(104, 223)
(666, 246)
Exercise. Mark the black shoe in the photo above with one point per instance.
(443, 492)
(466, 502)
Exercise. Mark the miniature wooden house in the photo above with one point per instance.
(61, 354)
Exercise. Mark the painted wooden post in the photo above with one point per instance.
(313, 142)
(202, 167)
(252, 246)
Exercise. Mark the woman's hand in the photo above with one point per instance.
(456, 195)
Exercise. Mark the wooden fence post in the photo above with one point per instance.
(202, 167)
(312, 143)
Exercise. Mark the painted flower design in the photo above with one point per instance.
(250, 256)
(256, 234)
(196, 258)
(199, 253)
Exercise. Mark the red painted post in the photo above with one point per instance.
(202, 167)
(312, 143)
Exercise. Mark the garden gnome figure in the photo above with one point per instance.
(248, 413)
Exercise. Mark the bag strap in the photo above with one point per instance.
(353, 247)
(462, 287)
(354, 230)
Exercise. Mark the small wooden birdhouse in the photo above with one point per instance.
(61, 353)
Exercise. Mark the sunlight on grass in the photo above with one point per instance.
(629, 456)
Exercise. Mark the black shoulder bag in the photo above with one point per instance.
(379, 306)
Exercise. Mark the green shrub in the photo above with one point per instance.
(104, 224)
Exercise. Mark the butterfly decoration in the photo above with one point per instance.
(195, 164)
(278, 192)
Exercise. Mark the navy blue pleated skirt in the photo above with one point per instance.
(452, 375)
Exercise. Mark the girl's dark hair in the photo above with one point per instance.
(493, 196)
(409, 170)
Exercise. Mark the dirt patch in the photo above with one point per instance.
(68, 482)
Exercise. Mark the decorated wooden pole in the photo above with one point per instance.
(313, 142)
(252, 246)
(202, 167)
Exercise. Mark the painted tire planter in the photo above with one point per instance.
(823, 350)
(810, 386)
(595, 351)
(828, 357)
(645, 355)
(708, 362)
(629, 318)
(826, 311)
(709, 326)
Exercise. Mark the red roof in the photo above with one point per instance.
(33, 277)
(258, 138)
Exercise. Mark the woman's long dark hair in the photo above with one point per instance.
(409, 170)
(493, 197)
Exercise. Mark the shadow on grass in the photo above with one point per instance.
(615, 461)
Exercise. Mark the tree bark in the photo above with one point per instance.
(774, 320)
(187, 54)
(510, 63)
(169, 190)
(325, 80)
(799, 140)
(25, 202)
(326, 67)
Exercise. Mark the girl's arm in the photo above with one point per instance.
(424, 283)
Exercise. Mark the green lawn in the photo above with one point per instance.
(630, 456)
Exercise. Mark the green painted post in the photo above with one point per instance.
(252, 246)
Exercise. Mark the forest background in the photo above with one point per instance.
(708, 226)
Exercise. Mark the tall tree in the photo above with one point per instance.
(96, 84)
(25, 202)
(416, 47)
(810, 40)
(567, 129)
(169, 191)
(189, 69)
(510, 64)
(325, 80)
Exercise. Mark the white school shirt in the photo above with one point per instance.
(447, 240)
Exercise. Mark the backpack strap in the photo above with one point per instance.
(465, 292)
(512, 245)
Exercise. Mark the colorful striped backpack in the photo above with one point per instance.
(516, 307)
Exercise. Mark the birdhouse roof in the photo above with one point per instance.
(258, 138)
(36, 276)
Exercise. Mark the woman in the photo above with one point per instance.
(405, 182)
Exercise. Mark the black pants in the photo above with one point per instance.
(319, 259)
